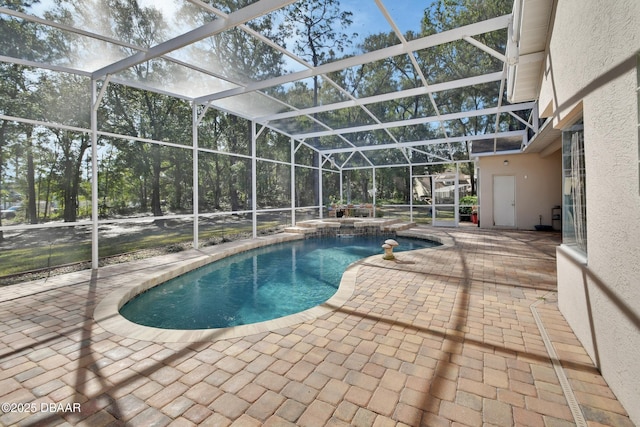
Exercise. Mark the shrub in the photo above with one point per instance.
(468, 202)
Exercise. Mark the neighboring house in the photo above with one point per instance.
(444, 185)
(580, 60)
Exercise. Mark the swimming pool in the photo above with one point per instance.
(257, 285)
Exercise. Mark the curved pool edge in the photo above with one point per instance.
(107, 315)
(444, 239)
(107, 312)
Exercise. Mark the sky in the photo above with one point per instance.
(368, 19)
(366, 15)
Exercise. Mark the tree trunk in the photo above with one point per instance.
(233, 196)
(71, 174)
(234, 199)
(156, 205)
(143, 193)
(69, 197)
(47, 195)
(177, 186)
(177, 204)
(365, 192)
(217, 194)
(407, 188)
(32, 213)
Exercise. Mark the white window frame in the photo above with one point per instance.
(574, 207)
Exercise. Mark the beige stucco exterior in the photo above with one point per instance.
(538, 188)
(591, 72)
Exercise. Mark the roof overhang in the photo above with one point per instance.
(526, 48)
(547, 141)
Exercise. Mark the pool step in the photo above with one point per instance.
(399, 226)
(318, 223)
(300, 230)
(311, 226)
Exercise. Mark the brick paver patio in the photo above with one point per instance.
(440, 337)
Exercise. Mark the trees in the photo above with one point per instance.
(314, 28)
(37, 95)
(139, 176)
(317, 30)
(461, 59)
(236, 56)
(12, 89)
(465, 60)
(71, 146)
(23, 41)
(152, 168)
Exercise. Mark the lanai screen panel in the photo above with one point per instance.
(380, 91)
(380, 72)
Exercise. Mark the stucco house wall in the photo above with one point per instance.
(591, 72)
(538, 187)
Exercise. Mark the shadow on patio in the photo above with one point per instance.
(444, 336)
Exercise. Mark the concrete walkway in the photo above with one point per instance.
(453, 336)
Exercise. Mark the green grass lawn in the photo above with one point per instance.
(46, 249)
(34, 257)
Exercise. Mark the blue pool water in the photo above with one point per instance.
(257, 285)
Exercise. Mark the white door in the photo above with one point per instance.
(504, 201)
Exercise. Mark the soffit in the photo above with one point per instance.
(546, 141)
(532, 20)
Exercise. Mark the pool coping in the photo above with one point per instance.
(107, 312)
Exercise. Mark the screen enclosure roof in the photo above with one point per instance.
(362, 84)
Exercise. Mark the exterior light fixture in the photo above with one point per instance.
(506, 163)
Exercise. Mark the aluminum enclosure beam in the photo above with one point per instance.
(431, 119)
(513, 133)
(489, 25)
(423, 90)
(254, 10)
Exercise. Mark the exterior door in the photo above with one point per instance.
(504, 201)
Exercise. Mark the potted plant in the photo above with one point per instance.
(468, 204)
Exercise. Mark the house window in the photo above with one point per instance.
(574, 209)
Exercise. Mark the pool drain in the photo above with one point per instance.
(578, 416)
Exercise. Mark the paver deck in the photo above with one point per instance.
(439, 337)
